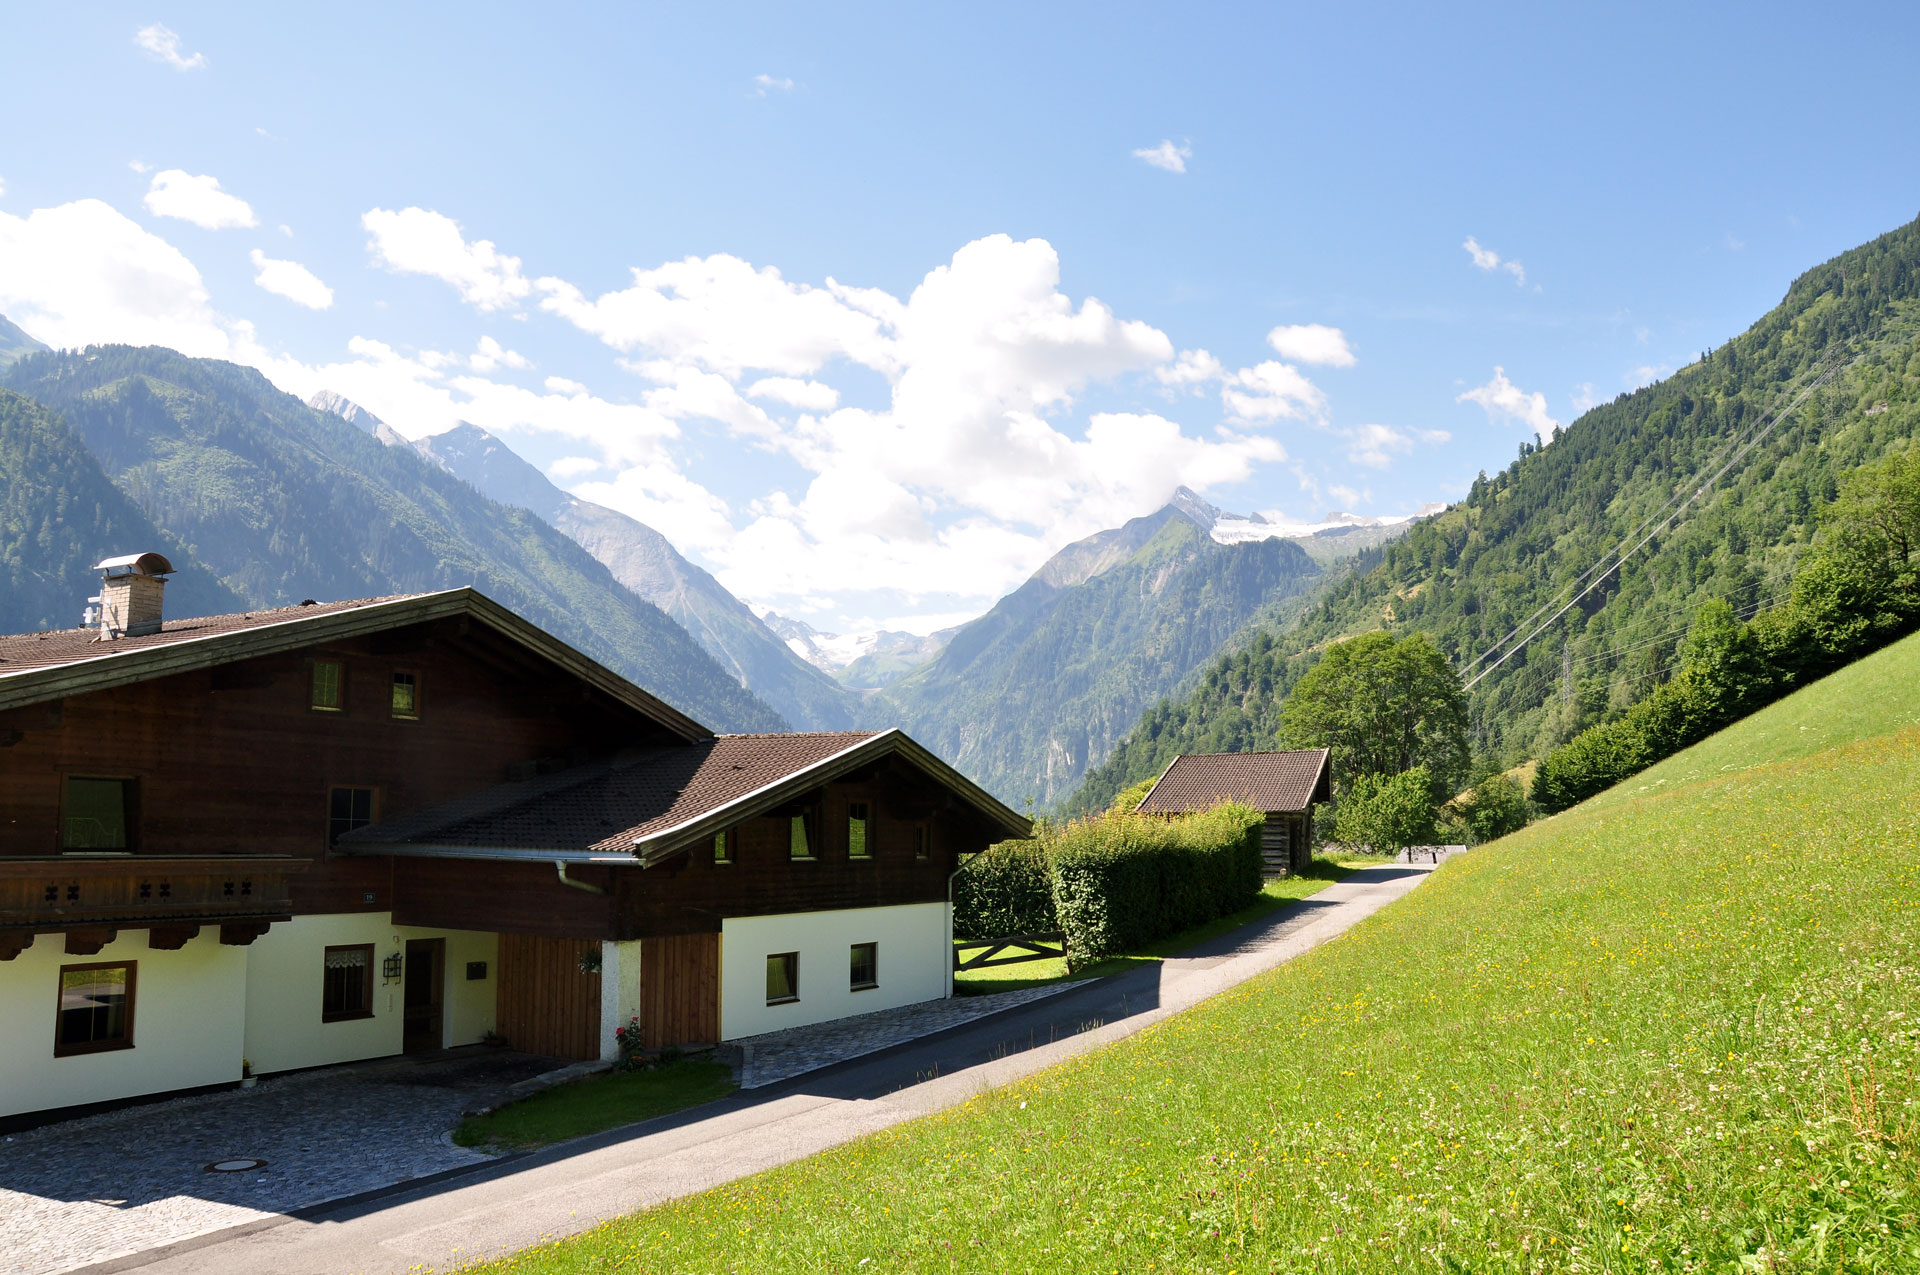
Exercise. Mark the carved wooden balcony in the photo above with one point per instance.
(90, 897)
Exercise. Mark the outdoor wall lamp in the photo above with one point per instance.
(391, 967)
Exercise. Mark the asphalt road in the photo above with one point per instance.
(523, 1200)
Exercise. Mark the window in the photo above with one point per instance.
(723, 847)
(858, 847)
(799, 844)
(346, 985)
(96, 1009)
(922, 841)
(326, 696)
(347, 809)
(406, 696)
(783, 978)
(865, 962)
(94, 813)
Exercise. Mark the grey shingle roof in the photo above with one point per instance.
(1286, 781)
(605, 807)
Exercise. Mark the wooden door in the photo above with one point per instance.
(425, 982)
(680, 990)
(547, 1003)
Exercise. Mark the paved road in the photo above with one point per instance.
(517, 1202)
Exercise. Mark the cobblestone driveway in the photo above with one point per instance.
(85, 1191)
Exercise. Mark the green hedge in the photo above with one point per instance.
(1007, 890)
(1113, 882)
(1122, 881)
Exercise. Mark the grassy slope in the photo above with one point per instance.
(1667, 1025)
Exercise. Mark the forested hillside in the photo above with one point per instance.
(1024, 697)
(282, 502)
(59, 514)
(1525, 536)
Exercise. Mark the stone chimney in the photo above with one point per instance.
(130, 589)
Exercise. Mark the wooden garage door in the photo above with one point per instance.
(547, 1004)
(680, 990)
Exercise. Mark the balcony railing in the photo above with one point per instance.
(105, 892)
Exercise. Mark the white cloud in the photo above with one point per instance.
(1375, 445)
(1271, 391)
(1349, 496)
(568, 468)
(1312, 343)
(291, 280)
(418, 241)
(812, 396)
(140, 166)
(1488, 259)
(177, 193)
(765, 84)
(3, 187)
(1733, 244)
(1194, 368)
(491, 354)
(561, 385)
(162, 45)
(84, 273)
(1166, 156)
(1647, 374)
(1585, 399)
(720, 313)
(1503, 400)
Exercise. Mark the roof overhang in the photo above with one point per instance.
(123, 667)
(658, 846)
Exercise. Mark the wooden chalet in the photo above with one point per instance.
(1285, 785)
(346, 830)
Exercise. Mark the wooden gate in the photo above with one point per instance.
(1276, 846)
(547, 1003)
(680, 990)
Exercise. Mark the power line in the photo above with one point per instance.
(1831, 368)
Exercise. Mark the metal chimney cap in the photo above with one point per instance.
(143, 564)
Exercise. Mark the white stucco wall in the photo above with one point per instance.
(914, 954)
(284, 976)
(188, 1023)
(619, 993)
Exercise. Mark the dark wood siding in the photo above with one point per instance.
(232, 760)
(691, 893)
(680, 990)
(547, 1004)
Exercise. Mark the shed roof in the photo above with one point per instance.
(647, 805)
(1279, 781)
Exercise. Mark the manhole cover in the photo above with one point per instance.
(235, 1166)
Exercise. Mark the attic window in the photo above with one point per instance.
(94, 815)
(799, 843)
(347, 809)
(858, 821)
(406, 696)
(723, 847)
(326, 696)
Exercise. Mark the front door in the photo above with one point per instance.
(425, 983)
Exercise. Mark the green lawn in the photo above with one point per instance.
(1668, 1030)
(1273, 896)
(601, 1102)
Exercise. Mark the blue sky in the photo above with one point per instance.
(1270, 207)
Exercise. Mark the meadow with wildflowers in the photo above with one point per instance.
(1671, 1029)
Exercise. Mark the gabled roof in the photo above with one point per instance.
(1287, 781)
(36, 667)
(646, 806)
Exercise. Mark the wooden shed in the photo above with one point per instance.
(1285, 785)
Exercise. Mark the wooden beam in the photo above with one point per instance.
(89, 942)
(240, 934)
(12, 943)
(171, 938)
